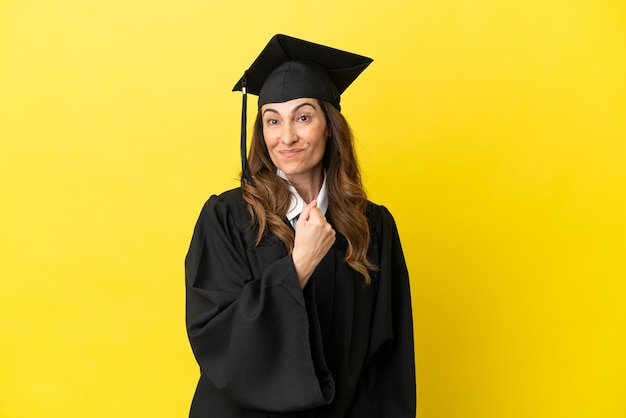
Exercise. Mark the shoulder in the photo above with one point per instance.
(377, 214)
(383, 229)
(229, 197)
(226, 208)
(228, 200)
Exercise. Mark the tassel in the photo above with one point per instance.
(245, 169)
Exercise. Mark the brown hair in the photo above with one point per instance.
(269, 197)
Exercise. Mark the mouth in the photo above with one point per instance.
(290, 152)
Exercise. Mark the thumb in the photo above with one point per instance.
(306, 211)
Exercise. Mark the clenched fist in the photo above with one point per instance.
(314, 237)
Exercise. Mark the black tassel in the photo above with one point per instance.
(245, 169)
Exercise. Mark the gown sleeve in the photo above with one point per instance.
(250, 335)
(387, 383)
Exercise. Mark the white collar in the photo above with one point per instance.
(297, 203)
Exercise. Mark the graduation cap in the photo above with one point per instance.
(290, 68)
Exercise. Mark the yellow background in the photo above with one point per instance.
(493, 130)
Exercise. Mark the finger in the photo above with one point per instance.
(316, 215)
(306, 211)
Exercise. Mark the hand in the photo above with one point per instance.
(314, 237)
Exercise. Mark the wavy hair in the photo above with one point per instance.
(268, 198)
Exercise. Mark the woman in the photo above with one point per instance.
(298, 301)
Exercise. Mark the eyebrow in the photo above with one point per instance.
(294, 110)
(301, 105)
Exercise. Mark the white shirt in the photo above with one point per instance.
(297, 203)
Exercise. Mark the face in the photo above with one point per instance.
(295, 133)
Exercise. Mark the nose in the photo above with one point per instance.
(288, 135)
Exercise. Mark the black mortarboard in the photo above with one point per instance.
(290, 68)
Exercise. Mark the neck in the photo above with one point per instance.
(308, 186)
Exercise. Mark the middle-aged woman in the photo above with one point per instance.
(298, 301)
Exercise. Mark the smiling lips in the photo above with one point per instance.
(291, 152)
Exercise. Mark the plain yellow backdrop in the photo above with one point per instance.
(495, 132)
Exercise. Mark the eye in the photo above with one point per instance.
(304, 118)
(271, 122)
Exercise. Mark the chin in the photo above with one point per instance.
(289, 170)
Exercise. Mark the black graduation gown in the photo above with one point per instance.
(266, 348)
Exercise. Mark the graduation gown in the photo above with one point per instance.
(267, 348)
